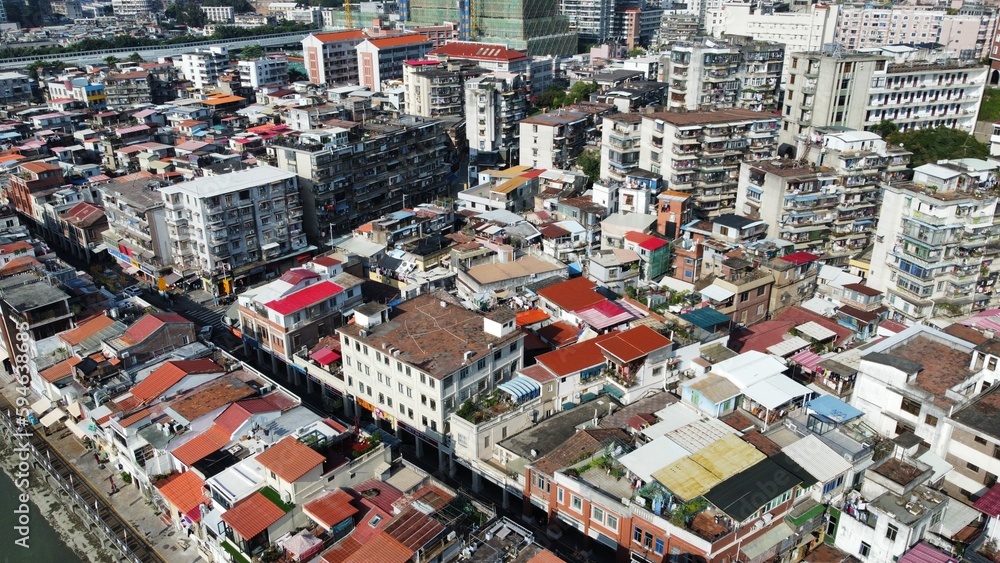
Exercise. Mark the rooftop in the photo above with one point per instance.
(208, 186)
(710, 117)
(252, 515)
(32, 296)
(290, 459)
(943, 366)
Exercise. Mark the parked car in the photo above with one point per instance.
(206, 332)
(132, 291)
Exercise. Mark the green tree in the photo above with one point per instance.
(111, 60)
(932, 145)
(251, 52)
(636, 52)
(296, 75)
(135, 58)
(885, 129)
(580, 91)
(589, 162)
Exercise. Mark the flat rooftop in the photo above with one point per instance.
(944, 366)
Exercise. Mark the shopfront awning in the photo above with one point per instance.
(53, 417)
(172, 278)
(807, 359)
(325, 356)
(75, 429)
(41, 405)
(74, 409)
(131, 270)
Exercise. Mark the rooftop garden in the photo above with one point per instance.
(481, 409)
(275, 497)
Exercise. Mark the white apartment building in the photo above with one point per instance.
(799, 30)
(380, 60)
(222, 227)
(203, 66)
(966, 34)
(492, 57)
(552, 140)
(265, 71)
(494, 106)
(620, 138)
(135, 7)
(928, 254)
(708, 73)
(435, 89)
(415, 365)
(219, 14)
(700, 152)
(15, 88)
(330, 58)
(912, 88)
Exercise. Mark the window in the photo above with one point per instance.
(832, 485)
(559, 494)
(979, 440)
(996, 452)
(910, 406)
(865, 549)
(637, 535)
(972, 467)
(658, 548)
(597, 513)
(481, 364)
(576, 503)
(891, 532)
(513, 348)
(611, 522)
(931, 420)
(647, 540)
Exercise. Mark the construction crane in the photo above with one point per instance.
(347, 15)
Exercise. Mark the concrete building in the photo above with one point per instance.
(700, 152)
(967, 33)
(552, 140)
(204, 66)
(226, 228)
(350, 178)
(126, 8)
(264, 72)
(915, 90)
(219, 14)
(137, 227)
(620, 140)
(331, 58)
(494, 108)
(15, 88)
(497, 58)
(928, 253)
(709, 73)
(381, 60)
(461, 356)
(436, 89)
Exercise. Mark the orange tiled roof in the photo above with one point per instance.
(290, 459)
(202, 445)
(87, 329)
(130, 420)
(170, 374)
(59, 371)
(572, 295)
(20, 264)
(186, 492)
(331, 508)
(398, 40)
(253, 515)
(147, 325)
(382, 548)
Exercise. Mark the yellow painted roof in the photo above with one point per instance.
(510, 185)
(686, 478)
(511, 172)
(727, 457)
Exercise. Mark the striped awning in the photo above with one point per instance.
(807, 359)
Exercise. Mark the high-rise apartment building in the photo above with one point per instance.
(534, 26)
(494, 107)
(928, 254)
(330, 58)
(135, 7)
(204, 66)
(271, 70)
(225, 227)
(709, 73)
(351, 177)
(913, 89)
(434, 89)
(382, 59)
(966, 32)
(700, 152)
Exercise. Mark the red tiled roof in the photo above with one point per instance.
(83, 214)
(170, 374)
(477, 51)
(149, 324)
(126, 404)
(339, 36)
(539, 373)
(130, 420)
(382, 548)
(15, 247)
(59, 371)
(290, 459)
(252, 515)
(39, 167)
(331, 508)
(553, 231)
(579, 356)
(202, 445)
(304, 297)
(232, 418)
(559, 333)
(990, 502)
(296, 275)
(572, 295)
(647, 242)
(381, 494)
(634, 343)
(413, 529)
(86, 329)
(326, 261)
(186, 492)
(342, 550)
(863, 289)
(546, 556)
(531, 316)
(399, 40)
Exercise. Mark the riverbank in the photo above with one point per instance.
(56, 532)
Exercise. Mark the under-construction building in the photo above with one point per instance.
(534, 26)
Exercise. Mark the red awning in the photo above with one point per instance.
(806, 359)
(325, 356)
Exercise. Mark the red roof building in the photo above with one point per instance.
(290, 459)
(252, 515)
(331, 508)
(186, 492)
(147, 325)
(169, 374)
(305, 298)
(472, 51)
(572, 295)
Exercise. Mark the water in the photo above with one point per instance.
(45, 545)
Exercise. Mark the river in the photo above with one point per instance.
(45, 545)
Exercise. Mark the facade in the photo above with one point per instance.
(331, 58)
(620, 139)
(496, 58)
(860, 90)
(219, 14)
(434, 89)
(137, 228)
(700, 152)
(494, 107)
(15, 88)
(204, 66)
(381, 60)
(706, 73)
(33, 178)
(351, 179)
(222, 227)
(126, 8)
(928, 254)
(552, 140)
(264, 72)
(968, 32)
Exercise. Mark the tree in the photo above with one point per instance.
(296, 75)
(589, 162)
(636, 52)
(580, 91)
(111, 60)
(885, 129)
(932, 145)
(251, 52)
(135, 58)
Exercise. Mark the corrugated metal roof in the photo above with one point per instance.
(686, 479)
(817, 458)
(727, 456)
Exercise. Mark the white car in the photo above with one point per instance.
(132, 291)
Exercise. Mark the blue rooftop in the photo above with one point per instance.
(705, 318)
(831, 409)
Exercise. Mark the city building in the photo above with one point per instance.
(494, 108)
(967, 32)
(858, 90)
(15, 88)
(496, 58)
(620, 139)
(137, 230)
(710, 73)
(204, 66)
(350, 178)
(526, 25)
(435, 89)
(700, 152)
(33, 178)
(552, 140)
(331, 58)
(381, 60)
(230, 227)
(264, 72)
(928, 254)
(219, 14)
(131, 8)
